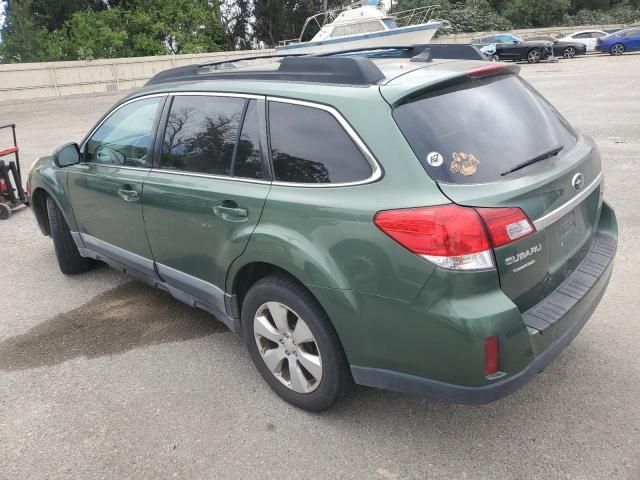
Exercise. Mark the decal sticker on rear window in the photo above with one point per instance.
(464, 163)
(435, 159)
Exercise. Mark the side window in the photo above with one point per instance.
(248, 159)
(201, 134)
(583, 35)
(597, 34)
(308, 145)
(126, 137)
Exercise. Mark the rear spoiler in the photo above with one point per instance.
(399, 94)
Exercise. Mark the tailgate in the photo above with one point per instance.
(564, 212)
(495, 142)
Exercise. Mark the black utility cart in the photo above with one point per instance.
(12, 195)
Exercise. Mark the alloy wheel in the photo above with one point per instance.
(534, 56)
(617, 49)
(569, 52)
(287, 347)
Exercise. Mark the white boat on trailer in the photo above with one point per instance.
(364, 24)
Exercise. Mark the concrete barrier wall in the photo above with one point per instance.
(38, 80)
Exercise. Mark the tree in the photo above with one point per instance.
(536, 13)
(277, 20)
(237, 16)
(121, 28)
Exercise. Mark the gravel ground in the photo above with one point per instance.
(101, 377)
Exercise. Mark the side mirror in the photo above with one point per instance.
(67, 155)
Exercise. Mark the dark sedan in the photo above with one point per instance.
(512, 47)
(561, 48)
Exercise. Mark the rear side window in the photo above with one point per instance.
(201, 134)
(477, 132)
(308, 145)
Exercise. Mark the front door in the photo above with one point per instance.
(206, 195)
(106, 187)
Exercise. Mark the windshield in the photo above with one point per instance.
(477, 132)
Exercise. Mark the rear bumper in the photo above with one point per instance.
(569, 307)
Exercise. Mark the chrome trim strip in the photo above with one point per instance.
(218, 94)
(205, 175)
(201, 289)
(376, 169)
(551, 217)
(143, 97)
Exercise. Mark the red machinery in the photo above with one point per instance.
(12, 194)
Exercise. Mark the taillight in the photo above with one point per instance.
(506, 225)
(449, 236)
(3, 186)
(455, 237)
(491, 356)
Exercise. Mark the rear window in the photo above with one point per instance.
(308, 145)
(474, 133)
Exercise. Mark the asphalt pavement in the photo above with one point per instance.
(102, 377)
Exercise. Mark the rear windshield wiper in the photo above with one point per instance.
(543, 156)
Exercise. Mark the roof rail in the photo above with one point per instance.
(296, 67)
(341, 67)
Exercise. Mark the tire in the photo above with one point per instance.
(569, 52)
(617, 49)
(5, 211)
(69, 258)
(280, 297)
(495, 58)
(534, 55)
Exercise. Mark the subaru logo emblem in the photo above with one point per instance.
(577, 182)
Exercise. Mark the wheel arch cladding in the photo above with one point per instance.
(338, 304)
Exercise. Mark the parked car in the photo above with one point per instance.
(512, 47)
(627, 40)
(348, 216)
(560, 48)
(587, 37)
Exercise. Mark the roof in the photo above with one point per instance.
(355, 73)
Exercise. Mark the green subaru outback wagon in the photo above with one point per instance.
(411, 218)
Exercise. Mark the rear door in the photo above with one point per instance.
(206, 192)
(503, 145)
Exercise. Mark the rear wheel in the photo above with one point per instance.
(293, 344)
(617, 49)
(569, 52)
(69, 258)
(534, 55)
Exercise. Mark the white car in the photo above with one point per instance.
(587, 37)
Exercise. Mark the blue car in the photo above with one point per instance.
(617, 43)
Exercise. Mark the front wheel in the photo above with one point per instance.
(534, 55)
(569, 52)
(69, 259)
(495, 58)
(617, 49)
(293, 344)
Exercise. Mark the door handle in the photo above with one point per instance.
(229, 210)
(128, 194)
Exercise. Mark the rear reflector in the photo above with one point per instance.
(449, 236)
(506, 225)
(491, 356)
